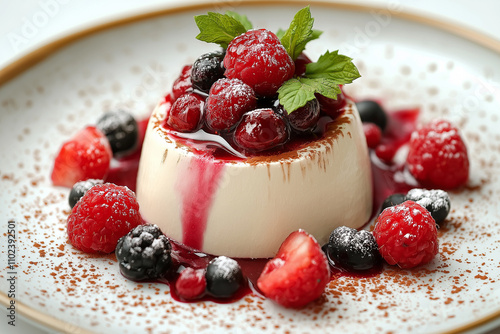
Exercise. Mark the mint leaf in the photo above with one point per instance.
(300, 32)
(333, 66)
(296, 92)
(240, 18)
(218, 28)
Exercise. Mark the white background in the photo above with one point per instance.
(26, 25)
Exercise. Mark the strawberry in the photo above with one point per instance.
(85, 156)
(298, 274)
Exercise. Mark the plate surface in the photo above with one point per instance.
(403, 64)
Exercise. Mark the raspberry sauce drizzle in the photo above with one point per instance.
(197, 187)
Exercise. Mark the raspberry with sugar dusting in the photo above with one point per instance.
(101, 217)
(438, 156)
(259, 60)
(227, 101)
(406, 235)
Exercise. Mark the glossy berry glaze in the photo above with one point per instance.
(388, 178)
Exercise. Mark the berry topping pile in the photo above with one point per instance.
(261, 90)
(143, 253)
(438, 156)
(406, 235)
(298, 274)
(101, 217)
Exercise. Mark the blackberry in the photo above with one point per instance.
(372, 112)
(437, 202)
(79, 189)
(144, 253)
(224, 277)
(121, 129)
(207, 69)
(353, 250)
(392, 200)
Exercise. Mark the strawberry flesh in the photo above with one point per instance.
(85, 156)
(298, 274)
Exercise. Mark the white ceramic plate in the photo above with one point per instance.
(403, 63)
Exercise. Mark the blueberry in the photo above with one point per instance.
(224, 277)
(437, 202)
(121, 129)
(392, 200)
(372, 112)
(144, 253)
(79, 189)
(207, 69)
(353, 250)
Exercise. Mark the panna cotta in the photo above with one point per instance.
(245, 207)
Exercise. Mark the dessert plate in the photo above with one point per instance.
(404, 64)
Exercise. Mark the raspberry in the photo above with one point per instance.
(305, 118)
(438, 156)
(261, 129)
(406, 235)
(373, 134)
(144, 253)
(298, 274)
(101, 217)
(191, 283)
(183, 83)
(227, 101)
(259, 60)
(185, 113)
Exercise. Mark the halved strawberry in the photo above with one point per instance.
(86, 155)
(298, 274)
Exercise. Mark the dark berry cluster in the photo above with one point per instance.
(233, 93)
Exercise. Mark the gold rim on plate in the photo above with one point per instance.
(31, 59)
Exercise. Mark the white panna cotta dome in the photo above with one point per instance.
(245, 208)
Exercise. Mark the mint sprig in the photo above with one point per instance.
(322, 77)
(300, 32)
(220, 28)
